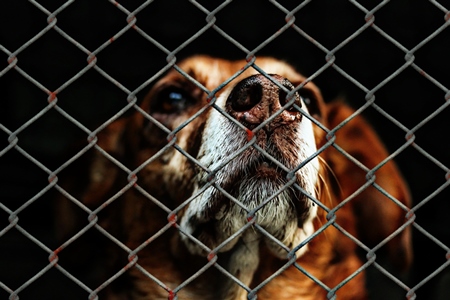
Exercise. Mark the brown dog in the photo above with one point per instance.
(243, 192)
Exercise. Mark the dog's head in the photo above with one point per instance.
(250, 150)
(238, 155)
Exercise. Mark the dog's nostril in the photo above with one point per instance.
(282, 95)
(245, 95)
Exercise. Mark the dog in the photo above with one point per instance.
(230, 182)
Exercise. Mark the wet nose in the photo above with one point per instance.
(254, 99)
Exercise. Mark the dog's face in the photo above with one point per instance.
(239, 163)
(252, 151)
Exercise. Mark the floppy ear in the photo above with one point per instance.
(102, 173)
(376, 216)
(90, 179)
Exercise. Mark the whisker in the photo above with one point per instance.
(328, 171)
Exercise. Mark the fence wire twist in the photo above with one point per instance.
(131, 17)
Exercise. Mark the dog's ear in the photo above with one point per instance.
(102, 173)
(376, 216)
(90, 179)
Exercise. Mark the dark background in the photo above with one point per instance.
(131, 60)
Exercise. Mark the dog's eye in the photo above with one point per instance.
(172, 100)
(311, 103)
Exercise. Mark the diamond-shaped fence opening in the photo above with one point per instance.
(73, 71)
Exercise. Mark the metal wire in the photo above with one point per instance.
(330, 61)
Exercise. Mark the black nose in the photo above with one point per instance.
(254, 99)
(246, 94)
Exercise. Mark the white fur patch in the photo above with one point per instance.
(222, 139)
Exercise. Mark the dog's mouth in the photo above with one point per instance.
(268, 172)
(261, 189)
(267, 169)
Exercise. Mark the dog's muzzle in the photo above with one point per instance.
(257, 176)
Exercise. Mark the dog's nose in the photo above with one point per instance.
(254, 99)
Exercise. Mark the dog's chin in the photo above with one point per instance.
(262, 195)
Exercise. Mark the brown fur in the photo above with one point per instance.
(134, 218)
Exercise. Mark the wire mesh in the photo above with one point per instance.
(213, 21)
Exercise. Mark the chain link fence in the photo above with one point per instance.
(71, 68)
